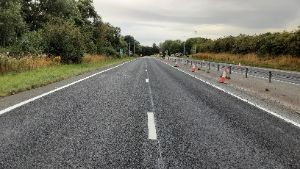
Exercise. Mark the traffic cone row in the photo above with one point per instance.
(225, 75)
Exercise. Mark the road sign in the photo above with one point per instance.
(121, 52)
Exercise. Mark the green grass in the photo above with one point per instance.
(12, 83)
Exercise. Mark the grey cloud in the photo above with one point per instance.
(175, 16)
(244, 15)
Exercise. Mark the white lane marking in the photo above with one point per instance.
(151, 126)
(240, 98)
(55, 90)
(154, 137)
(147, 80)
(146, 70)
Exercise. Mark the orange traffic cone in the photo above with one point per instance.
(194, 68)
(176, 64)
(239, 66)
(223, 77)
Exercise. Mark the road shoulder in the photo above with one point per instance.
(269, 103)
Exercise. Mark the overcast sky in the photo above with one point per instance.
(152, 21)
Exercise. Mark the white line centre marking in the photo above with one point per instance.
(147, 80)
(151, 127)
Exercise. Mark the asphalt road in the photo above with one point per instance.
(104, 122)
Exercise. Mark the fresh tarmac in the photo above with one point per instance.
(106, 122)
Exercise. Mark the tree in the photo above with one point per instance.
(155, 49)
(114, 36)
(65, 40)
(130, 41)
(173, 46)
(87, 11)
(12, 24)
(38, 13)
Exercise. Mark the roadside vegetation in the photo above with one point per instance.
(43, 41)
(284, 62)
(15, 82)
(280, 50)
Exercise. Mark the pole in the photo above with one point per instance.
(184, 49)
(129, 49)
(134, 48)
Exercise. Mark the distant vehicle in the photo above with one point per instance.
(178, 54)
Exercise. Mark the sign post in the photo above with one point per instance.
(121, 52)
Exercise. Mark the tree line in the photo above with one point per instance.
(267, 44)
(66, 28)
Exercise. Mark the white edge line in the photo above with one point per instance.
(240, 98)
(57, 89)
(151, 126)
(147, 80)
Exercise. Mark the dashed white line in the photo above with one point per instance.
(152, 134)
(147, 80)
(151, 126)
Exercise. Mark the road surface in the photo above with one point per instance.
(145, 114)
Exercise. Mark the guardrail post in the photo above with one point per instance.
(230, 69)
(270, 77)
(247, 70)
(209, 66)
(218, 67)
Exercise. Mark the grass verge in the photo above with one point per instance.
(281, 62)
(12, 83)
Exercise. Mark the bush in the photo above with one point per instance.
(108, 51)
(31, 43)
(64, 40)
(267, 44)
